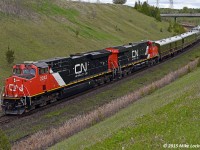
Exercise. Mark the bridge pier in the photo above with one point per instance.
(175, 19)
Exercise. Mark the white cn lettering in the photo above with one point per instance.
(79, 68)
(13, 88)
(21, 88)
(135, 54)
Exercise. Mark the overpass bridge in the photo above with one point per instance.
(175, 16)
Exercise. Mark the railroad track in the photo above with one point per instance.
(6, 119)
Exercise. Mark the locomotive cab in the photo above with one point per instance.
(27, 80)
(152, 50)
(26, 71)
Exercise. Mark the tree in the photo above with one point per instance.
(136, 5)
(148, 10)
(157, 13)
(185, 10)
(119, 1)
(10, 56)
(145, 8)
(170, 28)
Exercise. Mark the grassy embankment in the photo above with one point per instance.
(170, 115)
(43, 29)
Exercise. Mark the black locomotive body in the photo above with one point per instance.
(80, 66)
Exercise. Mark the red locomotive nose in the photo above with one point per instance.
(14, 87)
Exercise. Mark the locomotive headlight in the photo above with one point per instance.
(14, 79)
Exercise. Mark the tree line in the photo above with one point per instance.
(148, 10)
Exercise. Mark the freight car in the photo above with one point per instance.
(39, 83)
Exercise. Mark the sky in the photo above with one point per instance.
(178, 4)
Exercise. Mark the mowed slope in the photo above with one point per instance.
(43, 29)
(168, 116)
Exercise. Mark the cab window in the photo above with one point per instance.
(16, 71)
(43, 70)
(32, 71)
(29, 71)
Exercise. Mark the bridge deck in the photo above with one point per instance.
(180, 15)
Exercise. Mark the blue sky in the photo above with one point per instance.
(178, 4)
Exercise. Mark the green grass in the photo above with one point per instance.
(46, 28)
(55, 113)
(51, 9)
(169, 115)
(4, 143)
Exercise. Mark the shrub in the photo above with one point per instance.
(176, 28)
(10, 56)
(77, 32)
(198, 65)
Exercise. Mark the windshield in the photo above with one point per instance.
(29, 71)
(25, 73)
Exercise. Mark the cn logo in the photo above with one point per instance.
(14, 88)
(134, 54)
(80, 68)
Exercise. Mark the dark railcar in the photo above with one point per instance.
(79, 66)
(132, 52)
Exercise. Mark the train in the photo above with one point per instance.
(34, 84)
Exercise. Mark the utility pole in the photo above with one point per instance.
(157, 4)
(171, 3)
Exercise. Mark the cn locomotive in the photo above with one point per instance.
(35, 84)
